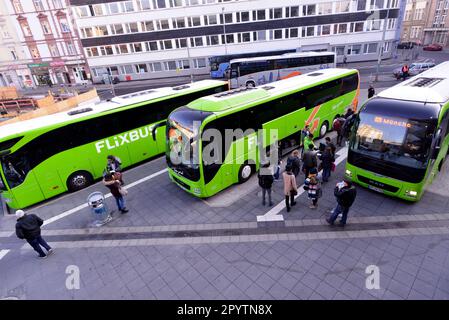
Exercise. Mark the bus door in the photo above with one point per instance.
(50, 181)
(22, 182)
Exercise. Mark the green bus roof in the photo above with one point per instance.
(244, 96)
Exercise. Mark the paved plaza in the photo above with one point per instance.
(173, 246)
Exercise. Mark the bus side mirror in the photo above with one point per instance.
(153, 132)
(437, 146)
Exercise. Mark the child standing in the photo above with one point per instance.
(313, 187)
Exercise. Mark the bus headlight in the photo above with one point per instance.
(349, 173)
(197, 191)
(412, 194)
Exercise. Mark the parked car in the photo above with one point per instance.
(433, 47)
(407, 45)
(414, 69)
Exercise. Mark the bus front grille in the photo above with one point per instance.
(378, 184)
(182, 184)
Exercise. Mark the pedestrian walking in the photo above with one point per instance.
(331, 145)
(295, 162)
(117, 191)
(337, 125)
(371, 92)
(309, 160)
(327, 159)
(290, 188)
(266, 182)
(405, 71)
(347, 127)
(313, 187)
(28, 227)
(345, 193)
(345, 60)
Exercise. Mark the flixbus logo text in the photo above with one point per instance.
(122, 139)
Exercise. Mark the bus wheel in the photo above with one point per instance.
(79, 180)
(245, 172)
(324, 128)
(250, 84)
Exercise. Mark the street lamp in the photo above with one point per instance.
(382, 44)
(224, 30)
(188, 41)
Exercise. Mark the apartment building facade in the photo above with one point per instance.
(144, 39)
(51, 48)
(415, 20)
(437, 24)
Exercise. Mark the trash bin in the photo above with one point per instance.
(99, 209)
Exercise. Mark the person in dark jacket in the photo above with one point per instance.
(330, 144)
(309, 160)
(294, 161)
(115, 187)
(371, 92)
(265, 182)
(28, 227)
(327, 159)
(114, 167)
(338, 127)
(345, 193)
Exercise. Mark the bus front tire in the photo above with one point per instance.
(245, 172)
(324, 128)
(79, 180)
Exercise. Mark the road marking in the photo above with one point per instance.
(273, 215)
(3, 253)
(80, 207)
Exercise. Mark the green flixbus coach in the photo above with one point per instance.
(400, 138)
(46, 156)
(285, 106)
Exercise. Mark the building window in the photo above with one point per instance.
(309, 10)
(106, 51)
(361, 5)
(155, 67)
(64, 26)
(292, 12)
(244, 37)
(213, 40)
(35, 53)
(175, 3)
(53, 50)
(159, 4)
(229, 39)
(170, 65)
(136, 47)
(127, 6)
(14, 54)
(341, 28)
(292, 33)
(58, 4)
(100, 31)
(179, 23)
(276, 13)
(92, 52)
(194, 21)
(308, 32)
(38, 5)
(196, 42)
(356, 27)
(152, 46)
(376, 4)
(227, 18)
(258, 15)
(276, 34)
(117, 29)
(144, 5)
(166, 44)
(71, 48)
(199, 63)
(211, 19)
(355, 49)
(26, 29)
(82, 11)
(261, 36)
(183, 64)
(370, 48)
(141, 68)
(181, 43)
(342, 6)
(127, 69)
(45, 27)
(326, 30)
(163, 25)
(340, 51)
(132, 27)
(325, 8)
(121, 49)
(17, 6)
(242, 16)
(192, 2)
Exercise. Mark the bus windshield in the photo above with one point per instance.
(183, 141)
(393, 139)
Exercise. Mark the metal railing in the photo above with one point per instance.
(17, 105)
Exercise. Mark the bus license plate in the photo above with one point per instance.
(375, 189)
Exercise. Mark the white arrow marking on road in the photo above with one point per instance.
(80, 207)
(3, 253)
(273, 215)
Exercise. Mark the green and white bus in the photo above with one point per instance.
(285, 106)
(43, 157)
(400, 138)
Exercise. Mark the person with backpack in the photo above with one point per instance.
(114, 167)
(266, 182)
(347, 127)
(345, 193)
(309, 160)
(290, 187)
(337, 125)
(117, 191)
(327, 159)
(28, 227)
(313, 187)
(295, 162)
